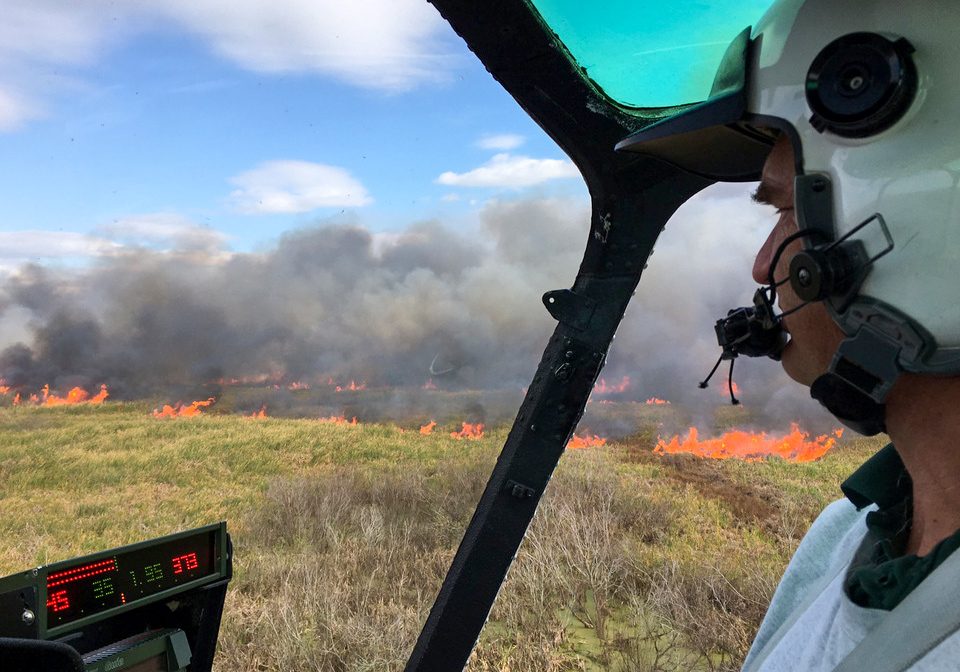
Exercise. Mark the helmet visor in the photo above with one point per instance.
(646, 53)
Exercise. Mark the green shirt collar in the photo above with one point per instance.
(880, 576)
(881, 480)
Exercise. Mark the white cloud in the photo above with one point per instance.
(380, 44)
(15, 110)
(296, 186)
(387, 45)
(450, 198)
(509, 171)
(502, 142)
(163, 228)
(24, 246)
(40, 42)
(52, 31)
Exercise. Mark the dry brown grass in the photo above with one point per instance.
(345, 565)
(343, 536)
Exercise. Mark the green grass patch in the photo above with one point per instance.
(344, 533)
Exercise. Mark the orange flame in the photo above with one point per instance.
(4, 389)
(601, 387)
(725, 389)
(469, 431)
(181, 411)
(586, 441)
(339, 420)
(752, 447)
(258, 415)
(654, 401)
(352, 387)
(16, 399)
(428, 428)
(298, 385)
(76, 395)
(429, 385)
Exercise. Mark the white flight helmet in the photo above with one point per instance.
(869, 94)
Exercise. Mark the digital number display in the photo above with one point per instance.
(88, 588)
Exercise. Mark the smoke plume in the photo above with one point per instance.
(432, 303)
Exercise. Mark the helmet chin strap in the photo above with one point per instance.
(864, 369)
(854, 408)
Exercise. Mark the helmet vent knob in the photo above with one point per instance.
(861, 84)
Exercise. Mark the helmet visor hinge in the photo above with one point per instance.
(813, 201)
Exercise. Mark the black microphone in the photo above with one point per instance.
(752, 331)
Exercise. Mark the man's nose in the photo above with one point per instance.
(761, 264)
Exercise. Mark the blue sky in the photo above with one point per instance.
(226, 123)
(215, 127)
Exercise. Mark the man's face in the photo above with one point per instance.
(814, 336)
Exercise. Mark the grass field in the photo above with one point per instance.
(343, 534)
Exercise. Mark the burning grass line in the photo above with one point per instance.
(339, 420)
(602, 387)
(258, 415)
(586, 441)
(796, 446)
(352, 387)
(74, 397)
(469, 431)
(179, 410)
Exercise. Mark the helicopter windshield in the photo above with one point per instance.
(645, 53)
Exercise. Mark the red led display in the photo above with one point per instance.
(58, 601)
(83, 572)
(126, 577)
(181, 562)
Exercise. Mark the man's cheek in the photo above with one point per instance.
(789, 362)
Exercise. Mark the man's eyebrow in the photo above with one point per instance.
(773, 194)
(763, 194)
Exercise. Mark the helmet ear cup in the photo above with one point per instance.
(861, 84)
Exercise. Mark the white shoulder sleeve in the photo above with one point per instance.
(825, 550)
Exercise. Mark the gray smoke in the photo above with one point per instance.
(336, 301)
